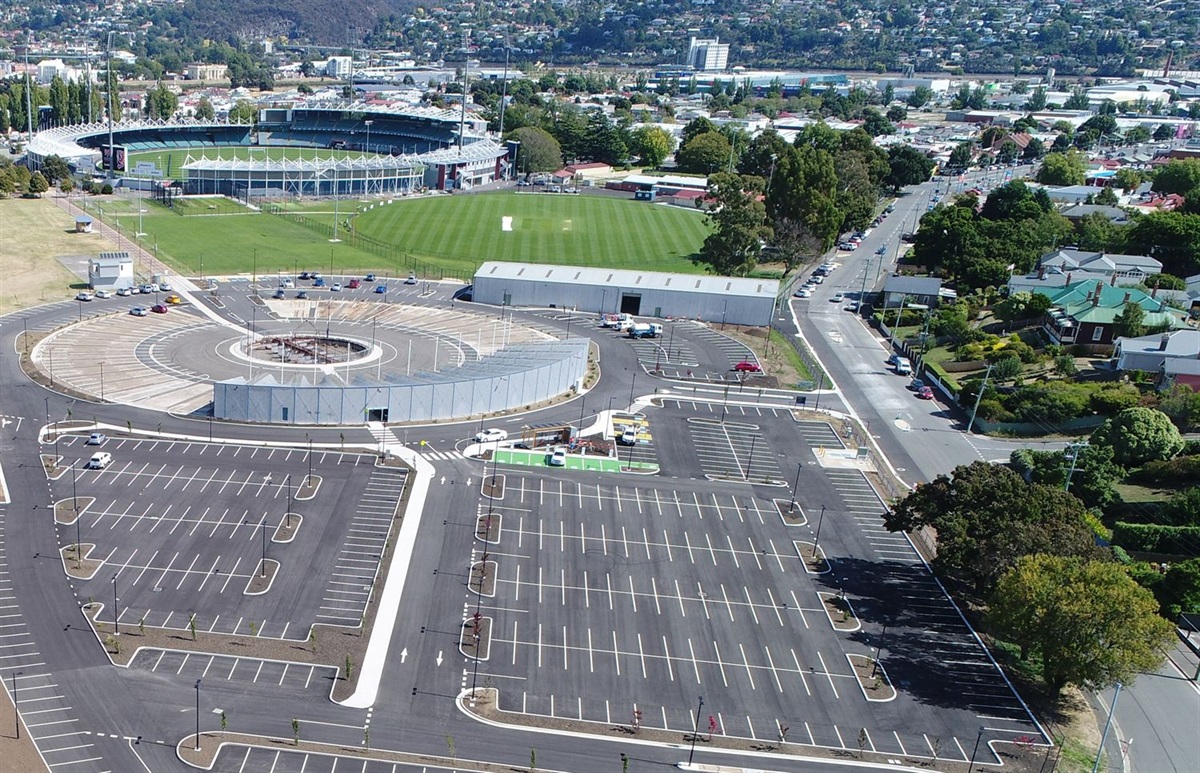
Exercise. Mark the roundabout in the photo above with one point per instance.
(311, 362)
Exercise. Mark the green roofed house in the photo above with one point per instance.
(1086, 312)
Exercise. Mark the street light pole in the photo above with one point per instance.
(978, 736)
(695, 730)
(795, 488)
(288, 483)
(197, 746)
(116, 621)
(16, 710)
(1107, 726)
(817, 539)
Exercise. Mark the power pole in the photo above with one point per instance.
(978, 397)
(1073, 450)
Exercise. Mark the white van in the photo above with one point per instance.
(99, 460)
(903, 366)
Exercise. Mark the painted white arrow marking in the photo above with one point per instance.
(403, 654)
(439, 658)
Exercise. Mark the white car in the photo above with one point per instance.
(287, 283)
(138, 311)
(838, 297)
(164, 287)
(124, 292)
(629, 436)
(96, 439)
(84, 296)
(491, 436)
(103, 294)
(336, 287)
(99, 460)
(558, 458)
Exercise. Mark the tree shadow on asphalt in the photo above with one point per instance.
(905, 636)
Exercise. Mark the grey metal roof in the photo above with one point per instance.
(1180, 343)
(630, 280)
(476, 151)
(913, 285)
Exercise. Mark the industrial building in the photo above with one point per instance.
(643, 293)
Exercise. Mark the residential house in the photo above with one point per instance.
(1077, 212)
(922, 290)
(1133, 267)
(1174, 356)
(1086, 312)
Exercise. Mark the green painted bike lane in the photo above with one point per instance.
(585, 463)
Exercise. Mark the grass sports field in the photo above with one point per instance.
(169, 161)
(433, 236)
(565, 229)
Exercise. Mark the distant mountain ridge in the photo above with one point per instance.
(342, 22)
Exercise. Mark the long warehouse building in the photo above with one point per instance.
(734, 300)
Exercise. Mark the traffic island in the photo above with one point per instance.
(838, 610)
(288, 527)
(80, 566)
(872, 679)
(475, 639)
(483, 578)
(813, 557)
(487, 528)
(308, 488)
(493, 486)
(482, 704)
(212, 742)
(51, 464)
(264, 576)
(68, 511)
(790, 512)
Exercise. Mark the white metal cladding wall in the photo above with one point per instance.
(512, 378)
(707, 306)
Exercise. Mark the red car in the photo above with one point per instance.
(353, 284)
(159, 308)
(748, 367)
(925, 393)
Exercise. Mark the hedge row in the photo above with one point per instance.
(1153, 538)
(1181, 469)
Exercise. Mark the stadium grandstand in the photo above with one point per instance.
(246, 178)
(402, 148)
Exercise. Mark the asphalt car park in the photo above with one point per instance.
(733, 450)
(281, 760)
(181, 529)
(616, 598)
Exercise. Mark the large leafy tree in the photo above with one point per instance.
(1063, 169)
(1092, 481)
(1131, 322)
(1088, 621)
(1181, 177)
(986, 517)
(604, 141)
(1138, 435)
(907, 166)
(738, 218)
(538, 151)
(54, 169)
(804, 189)
(651, 144)
(1179, 590)
(704, 153)
(204, 109)
(1172, 237)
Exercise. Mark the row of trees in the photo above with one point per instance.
(1029, 550)
(797, 198)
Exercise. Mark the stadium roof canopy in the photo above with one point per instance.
(630, 279)
(310, 165)
(482, 150)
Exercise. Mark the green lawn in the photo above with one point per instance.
(545, 228)
(170, 160)
(232, 244)
(441, 236)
